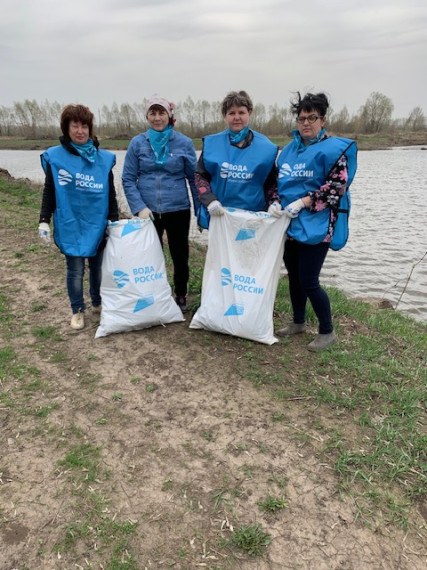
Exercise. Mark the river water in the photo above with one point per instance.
(385, 256)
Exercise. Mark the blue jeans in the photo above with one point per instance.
(75, 274)
(304, 263)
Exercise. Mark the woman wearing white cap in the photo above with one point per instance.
(157, 166)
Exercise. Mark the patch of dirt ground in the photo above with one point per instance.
(189, 443)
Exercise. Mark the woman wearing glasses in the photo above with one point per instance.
(315, 170)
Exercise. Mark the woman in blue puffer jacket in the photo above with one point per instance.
(157, 167)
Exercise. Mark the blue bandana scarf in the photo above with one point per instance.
(235, 138)
(299, 141)
(159, 142)
(86, 151)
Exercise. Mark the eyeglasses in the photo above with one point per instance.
(311, 119)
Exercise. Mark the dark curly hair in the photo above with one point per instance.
(310, 102)
(236, 99)
(78, 113)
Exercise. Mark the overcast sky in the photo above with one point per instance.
(98, 52)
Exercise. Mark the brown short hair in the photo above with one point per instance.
(78, 113)
(236, 99)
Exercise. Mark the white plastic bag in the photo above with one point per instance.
(135, 291)
(241, 273)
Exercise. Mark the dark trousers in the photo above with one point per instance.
(177, 228)
(303, 263)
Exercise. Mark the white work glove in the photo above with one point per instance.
(146, 214)
(215, 208)
(275, 210)
(294, 208)
(44, 233)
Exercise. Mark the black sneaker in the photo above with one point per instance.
(181, 301)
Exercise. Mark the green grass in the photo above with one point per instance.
(26, 144)
(82, 457)
(19, 194)
(252, 539)
(46, 333)
(272, 504)
(38, 307)
(82, 465)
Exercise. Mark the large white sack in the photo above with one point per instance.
(135, 290)
(241, 273)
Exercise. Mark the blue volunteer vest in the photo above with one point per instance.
(238, 174)
(303, 170)
(82, 193)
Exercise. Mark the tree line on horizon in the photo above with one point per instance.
(32, 120)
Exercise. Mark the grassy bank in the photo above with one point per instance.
(229, 437)
(365, 142)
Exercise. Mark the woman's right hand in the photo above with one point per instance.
(146, 214)
(215, 208)
(44, 233)
(275, 209)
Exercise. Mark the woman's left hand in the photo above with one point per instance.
(294, 208)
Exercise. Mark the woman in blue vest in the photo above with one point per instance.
(79, 192)
(237, 166)
(315, 170)
(157, 167)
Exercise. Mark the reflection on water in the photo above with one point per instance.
(385, 255)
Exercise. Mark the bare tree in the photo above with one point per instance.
(140, 118)
(376, 113)
(28, 117)
(187, 113)
(416, 120)
(278, 122)
(197, 119)
(258, 117)
(6, 121)
(205, 108)
(339, 122)
(128, 118)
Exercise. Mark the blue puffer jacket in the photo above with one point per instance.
(162, 189)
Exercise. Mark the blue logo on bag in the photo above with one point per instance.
(131, 227)
(121, 278)
(234, 310)
(225, 276)
(142, 304)
(245, 233)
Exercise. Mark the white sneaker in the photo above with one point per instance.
(77, 321)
